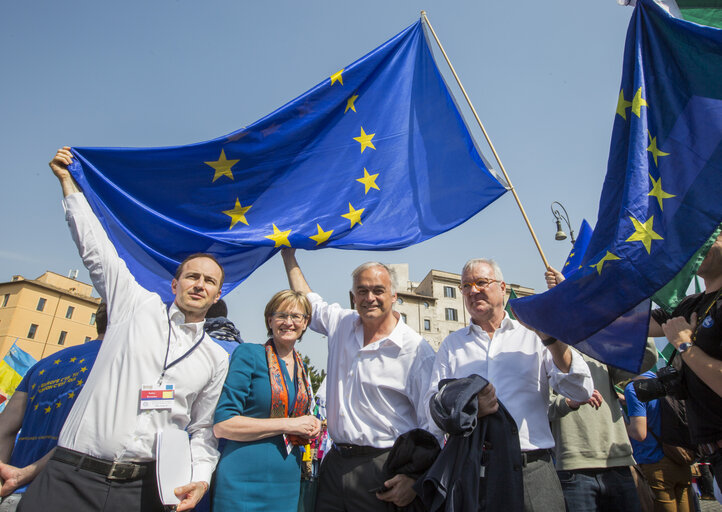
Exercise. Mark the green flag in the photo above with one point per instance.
(512, 295)
(676, 290)
(704, 12)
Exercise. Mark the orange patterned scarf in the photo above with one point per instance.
(279, 391)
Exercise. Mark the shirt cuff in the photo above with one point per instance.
(76, 197)
(202, 472)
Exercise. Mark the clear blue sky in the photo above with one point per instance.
(544, 77)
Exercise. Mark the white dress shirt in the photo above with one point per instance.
(521, 370)
(106, 420)
(374, 393)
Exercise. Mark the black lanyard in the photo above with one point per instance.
(167, 366)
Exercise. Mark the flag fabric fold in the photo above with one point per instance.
(576, 255)
(375, 157)
(660, 199)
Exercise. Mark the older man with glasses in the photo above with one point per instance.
(520, 365)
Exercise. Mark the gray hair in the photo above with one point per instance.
(477, 261)
(372, 264)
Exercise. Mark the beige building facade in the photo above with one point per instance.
(46, 314)
(434, 306)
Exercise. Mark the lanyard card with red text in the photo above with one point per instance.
(156, 397)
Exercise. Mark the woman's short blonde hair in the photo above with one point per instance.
(282, 300)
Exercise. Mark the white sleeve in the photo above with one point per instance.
(439, 371)
(577, 384)
(204, 444)
(325, 317)
(419, 383)
(108, 272)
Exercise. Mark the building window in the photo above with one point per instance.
(31, 332)
(427, 325)
(5, 299)
(399, 301)
(41, 304)
(87, 339)
(451, 315)
(449, 292)
(426, 305)
(61, 338)
(69, 312)
(403, 317)
(92, 318)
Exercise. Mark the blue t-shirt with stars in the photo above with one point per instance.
(52, 385)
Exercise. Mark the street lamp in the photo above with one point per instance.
(561, 235)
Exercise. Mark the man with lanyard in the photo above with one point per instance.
(378, 371)
(38, 409)
(520, 365)
(105, 455)
(694, 328)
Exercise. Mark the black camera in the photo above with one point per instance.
(667, 382)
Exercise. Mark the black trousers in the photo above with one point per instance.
(60, 487)
(344, 483)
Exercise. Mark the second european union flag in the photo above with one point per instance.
(661, 196)
(377, 156)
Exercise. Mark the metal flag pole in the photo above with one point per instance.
(488, 140)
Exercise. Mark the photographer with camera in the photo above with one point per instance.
(694, 328)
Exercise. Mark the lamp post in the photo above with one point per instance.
(559, 216)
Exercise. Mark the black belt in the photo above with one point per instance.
(109, 469)
(352, 450)
(535, 455)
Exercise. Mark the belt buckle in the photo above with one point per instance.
(111, 474)
(119, 471)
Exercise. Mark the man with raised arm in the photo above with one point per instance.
(378, 373)
(105, 459)
(520, 365)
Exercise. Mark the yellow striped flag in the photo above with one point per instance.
(13, 367)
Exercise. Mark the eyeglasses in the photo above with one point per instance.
(479, 284)
(296, 318)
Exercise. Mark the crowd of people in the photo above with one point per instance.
(501, 417)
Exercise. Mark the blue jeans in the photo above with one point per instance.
(603, 489)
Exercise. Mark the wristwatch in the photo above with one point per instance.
(548, 341)
(684, 347)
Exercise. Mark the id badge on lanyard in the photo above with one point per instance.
(156, 397)
(159, 395)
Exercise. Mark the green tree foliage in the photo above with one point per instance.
(313, 374)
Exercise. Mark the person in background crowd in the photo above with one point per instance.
(378, 372)
(592, 449)
(220, 328)
(520, 365)
(38, 410)
(264, 413)
(669, 481)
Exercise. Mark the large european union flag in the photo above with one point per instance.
(661, 196)
(377, 156)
